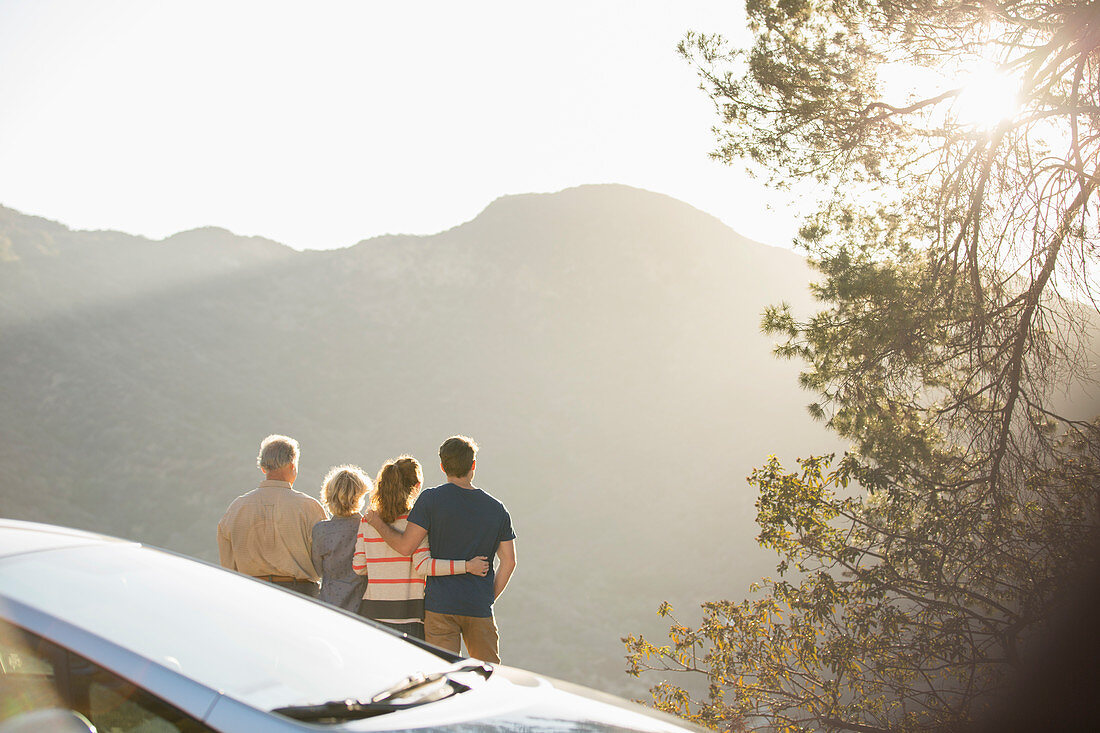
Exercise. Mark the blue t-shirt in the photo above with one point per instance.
(462, 524)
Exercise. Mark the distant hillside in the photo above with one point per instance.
(601, 344)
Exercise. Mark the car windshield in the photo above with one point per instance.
(263, 646)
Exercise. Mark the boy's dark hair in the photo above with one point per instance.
(457, 455)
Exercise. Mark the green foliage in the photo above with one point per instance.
(958, 273)
(903, 605)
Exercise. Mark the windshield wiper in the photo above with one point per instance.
(337, 710)
(414, 690)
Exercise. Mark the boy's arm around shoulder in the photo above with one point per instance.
(403, 543)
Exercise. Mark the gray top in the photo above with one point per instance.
(333, 547)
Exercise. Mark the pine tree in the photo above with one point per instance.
(955, 235)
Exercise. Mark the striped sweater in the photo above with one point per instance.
(395, 583)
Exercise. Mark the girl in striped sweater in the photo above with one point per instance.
(395, 583)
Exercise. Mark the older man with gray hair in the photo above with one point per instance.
(266, 533)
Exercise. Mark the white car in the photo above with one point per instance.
(132, 638)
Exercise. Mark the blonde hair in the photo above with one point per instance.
(343, 490)
(277, 451)
(395, 489)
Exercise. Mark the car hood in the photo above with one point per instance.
(515, 701)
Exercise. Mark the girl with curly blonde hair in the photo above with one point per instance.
(342, 494)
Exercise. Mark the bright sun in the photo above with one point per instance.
(987, 99)
(987, 96)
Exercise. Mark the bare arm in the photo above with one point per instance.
(506, 553)
(403, 543)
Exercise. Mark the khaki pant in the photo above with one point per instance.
(479, 633)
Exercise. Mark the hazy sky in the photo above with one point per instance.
(318, 124)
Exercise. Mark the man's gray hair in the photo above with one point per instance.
(277, 451)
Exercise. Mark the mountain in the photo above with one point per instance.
(601, 344)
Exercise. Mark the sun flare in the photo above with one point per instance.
(988, 98)
(981, 96)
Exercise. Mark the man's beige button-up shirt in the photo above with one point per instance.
(268, 532)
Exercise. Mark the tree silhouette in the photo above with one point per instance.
(955, 233)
